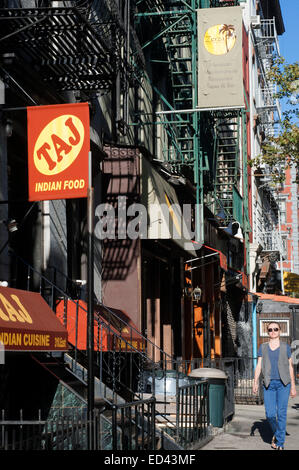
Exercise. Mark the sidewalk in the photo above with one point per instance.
(249, 429)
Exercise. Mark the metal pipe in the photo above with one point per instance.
(254, 335)
(90, 312)
(193, 110)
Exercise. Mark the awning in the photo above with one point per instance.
(277, 298)
(222, 257)
(164, 216)
(113, 329)
(27, 323)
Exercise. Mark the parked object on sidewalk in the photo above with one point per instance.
(217, 383)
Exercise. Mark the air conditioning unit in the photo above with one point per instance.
(255, 22)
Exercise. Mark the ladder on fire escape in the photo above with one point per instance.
(179, 45)
(227, 158)
(176, 22)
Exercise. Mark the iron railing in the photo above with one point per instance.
(120, 358)
(192, 416)
(240, 372)
(127, 427)
(137, 424)
(136, 369)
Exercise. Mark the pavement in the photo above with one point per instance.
(249, 429)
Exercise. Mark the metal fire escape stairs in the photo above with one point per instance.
(227, 162)
(187, 147)
(266, 46)
(179, 118)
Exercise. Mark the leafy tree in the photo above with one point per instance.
(282, 151)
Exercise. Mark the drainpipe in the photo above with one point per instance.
(254, 334)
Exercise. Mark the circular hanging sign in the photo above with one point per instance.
(220, 39)
(59, 144)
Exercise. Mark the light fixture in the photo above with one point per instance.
(11, 224)
(231, 230)
(8, 126)
(177, 180)
(239, 234)
(228, 229)
(196, 294)
(259, 307)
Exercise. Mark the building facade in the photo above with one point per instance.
(182, 282)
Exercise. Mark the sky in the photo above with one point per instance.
(288, 41)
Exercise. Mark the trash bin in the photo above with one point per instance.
(217, 381)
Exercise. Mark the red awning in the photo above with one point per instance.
(222, 257)
(113, 329)
(27, 323)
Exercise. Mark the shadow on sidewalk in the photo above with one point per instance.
(264, 429)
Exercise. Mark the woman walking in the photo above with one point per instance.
(275, 363)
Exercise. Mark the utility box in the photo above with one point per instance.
(217, 383)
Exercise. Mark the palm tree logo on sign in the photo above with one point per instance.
(220, 39)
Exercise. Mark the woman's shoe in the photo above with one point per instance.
(273, 443)
(279, 448)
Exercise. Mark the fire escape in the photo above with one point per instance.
(209, 148)
(266, 46)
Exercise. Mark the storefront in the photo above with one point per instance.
(29, 331)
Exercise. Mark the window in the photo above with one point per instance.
(282, 209)
(284, 248)
(284, 325)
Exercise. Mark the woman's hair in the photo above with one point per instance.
(273, 323)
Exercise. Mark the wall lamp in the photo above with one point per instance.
(8, 126)
(234, 229)
(196, 294)
(259, 307)
(11, 224)
(177, 180)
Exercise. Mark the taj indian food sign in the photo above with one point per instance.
(58, 151)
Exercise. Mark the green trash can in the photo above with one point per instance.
(217, 381)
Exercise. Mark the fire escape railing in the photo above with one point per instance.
(266, 45)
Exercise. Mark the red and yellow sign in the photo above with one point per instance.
(58, 148)
(27, 323)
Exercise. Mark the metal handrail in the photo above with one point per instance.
(134, 430)
(192, 418)
(120, 320)
(137, 423)
(128, 346)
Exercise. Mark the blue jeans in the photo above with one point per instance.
(276, 398)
